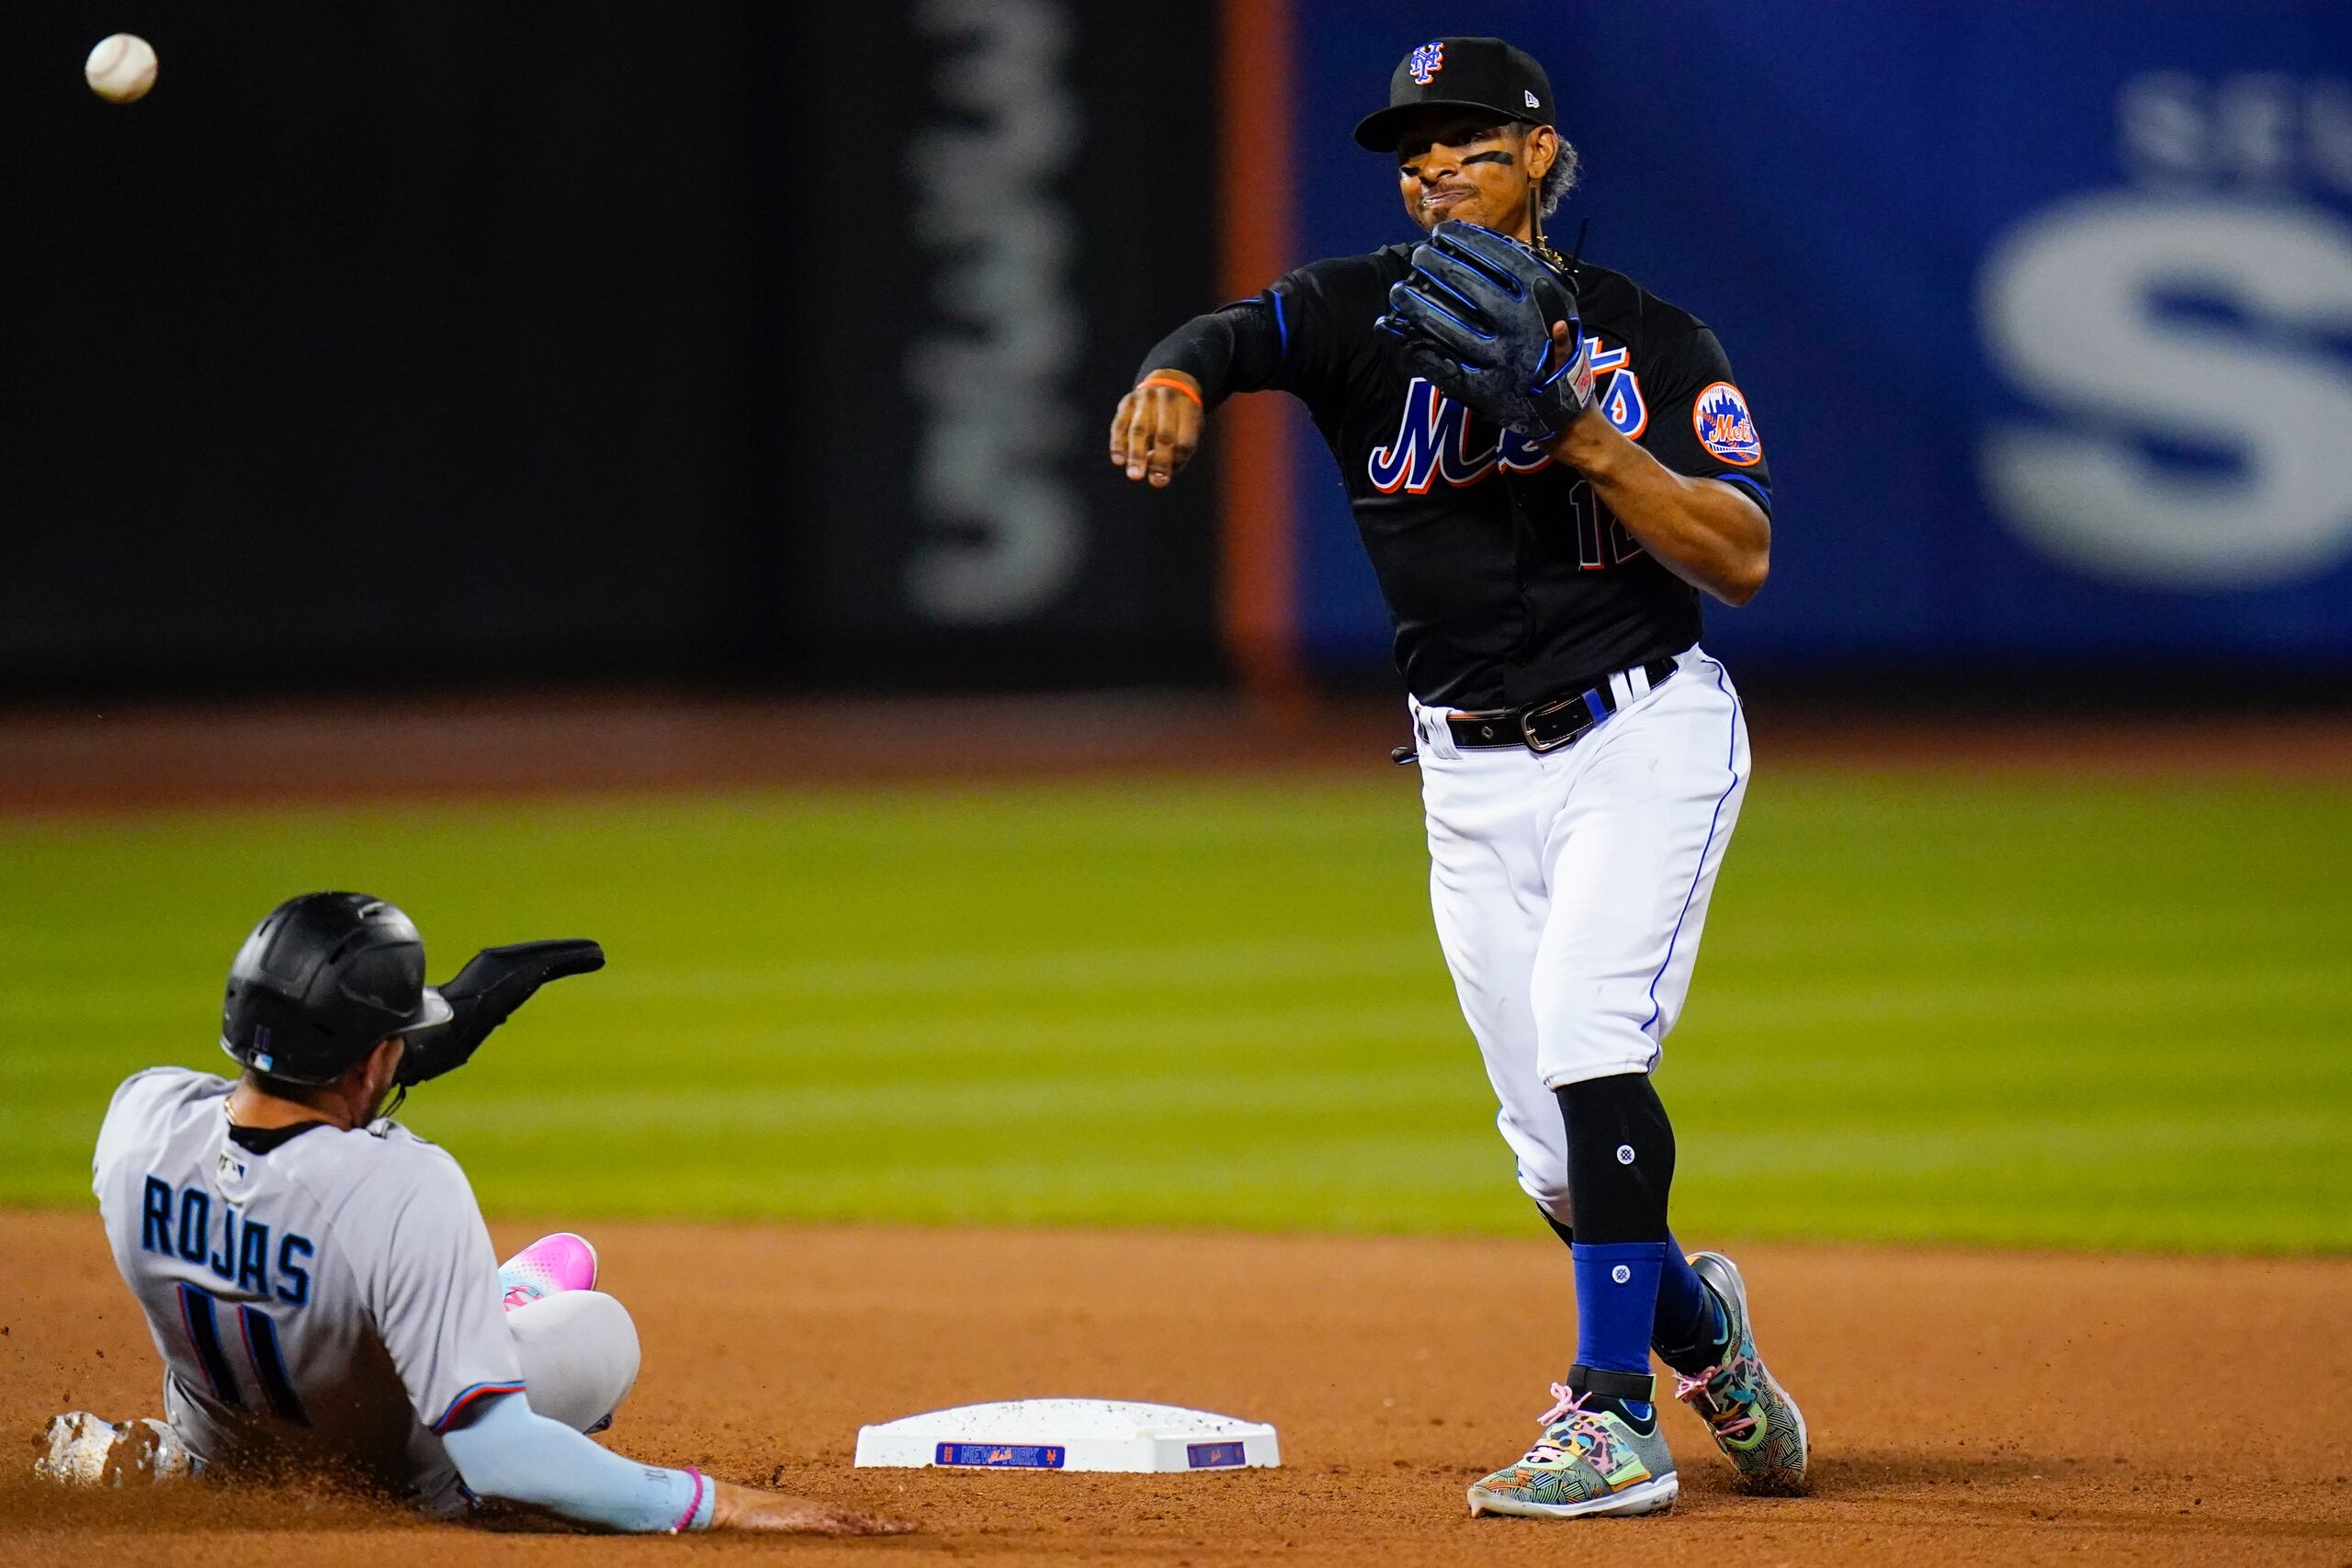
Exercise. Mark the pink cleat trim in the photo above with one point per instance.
(548, 1266)
(1687, 1389)
(1600, 1448)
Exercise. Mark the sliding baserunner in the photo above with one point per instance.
(319, 1280)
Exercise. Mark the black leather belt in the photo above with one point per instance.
(1548, 726)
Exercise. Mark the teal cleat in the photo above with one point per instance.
(1594, 1457)
(1754, 1421)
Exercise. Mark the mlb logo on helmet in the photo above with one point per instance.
(1427, 61)
(1721, 418)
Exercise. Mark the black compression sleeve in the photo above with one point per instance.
(1621, 1158)
(1236, 349)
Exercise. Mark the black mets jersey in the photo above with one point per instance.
(1507, 580)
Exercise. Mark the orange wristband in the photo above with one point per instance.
(1171, 381)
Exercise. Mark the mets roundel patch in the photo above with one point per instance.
(1722, 420)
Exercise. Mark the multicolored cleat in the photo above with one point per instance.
(1756, 1423)
(553, 1263)
(1597, 1457)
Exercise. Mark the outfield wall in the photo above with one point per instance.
(427, 341)
(420, 344)
(2044, 307)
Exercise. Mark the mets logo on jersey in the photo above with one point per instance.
(1722, 420)
(1435, 439)
(1427, 61)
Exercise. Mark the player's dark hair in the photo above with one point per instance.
(279, 1088)
(307, 1094)
(1560, 178)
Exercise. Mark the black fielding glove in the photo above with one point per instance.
(1474, 320)
(485, 994)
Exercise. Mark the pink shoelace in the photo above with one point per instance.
(1600, 1449)
(1687, 1389)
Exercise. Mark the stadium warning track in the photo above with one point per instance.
(1967, 1408)
(105, 760)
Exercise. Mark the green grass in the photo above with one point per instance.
(2116, 1015)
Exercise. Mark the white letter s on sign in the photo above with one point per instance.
(2066, 304)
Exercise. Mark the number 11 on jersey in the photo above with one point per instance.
(200, 1315)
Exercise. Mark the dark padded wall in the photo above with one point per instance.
(1052, 220)
(433, 340)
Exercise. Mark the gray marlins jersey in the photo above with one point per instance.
(321, 1298)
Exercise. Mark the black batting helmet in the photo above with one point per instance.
(325, 979)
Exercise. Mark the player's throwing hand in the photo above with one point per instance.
(1157, 426)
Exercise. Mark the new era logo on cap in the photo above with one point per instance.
(1427, 61)
(1531, 98)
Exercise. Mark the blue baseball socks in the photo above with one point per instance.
(1689, 1332)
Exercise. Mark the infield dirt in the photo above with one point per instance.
(1966, 1407)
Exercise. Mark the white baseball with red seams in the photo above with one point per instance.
(121, 68)
(1571, 886)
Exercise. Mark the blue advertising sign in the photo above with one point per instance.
(2043, 307)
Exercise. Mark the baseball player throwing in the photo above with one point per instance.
(1548, 466)
(318, 1278)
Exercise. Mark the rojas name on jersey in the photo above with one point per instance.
(179, 1221)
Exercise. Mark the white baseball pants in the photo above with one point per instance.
(1570, 890)
(579, 1353)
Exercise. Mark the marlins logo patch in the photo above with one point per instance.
(1427, 61)
(1725, 428)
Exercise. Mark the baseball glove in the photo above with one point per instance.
(484, 994)
(1474, 320)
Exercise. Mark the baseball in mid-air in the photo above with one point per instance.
(121, 68)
